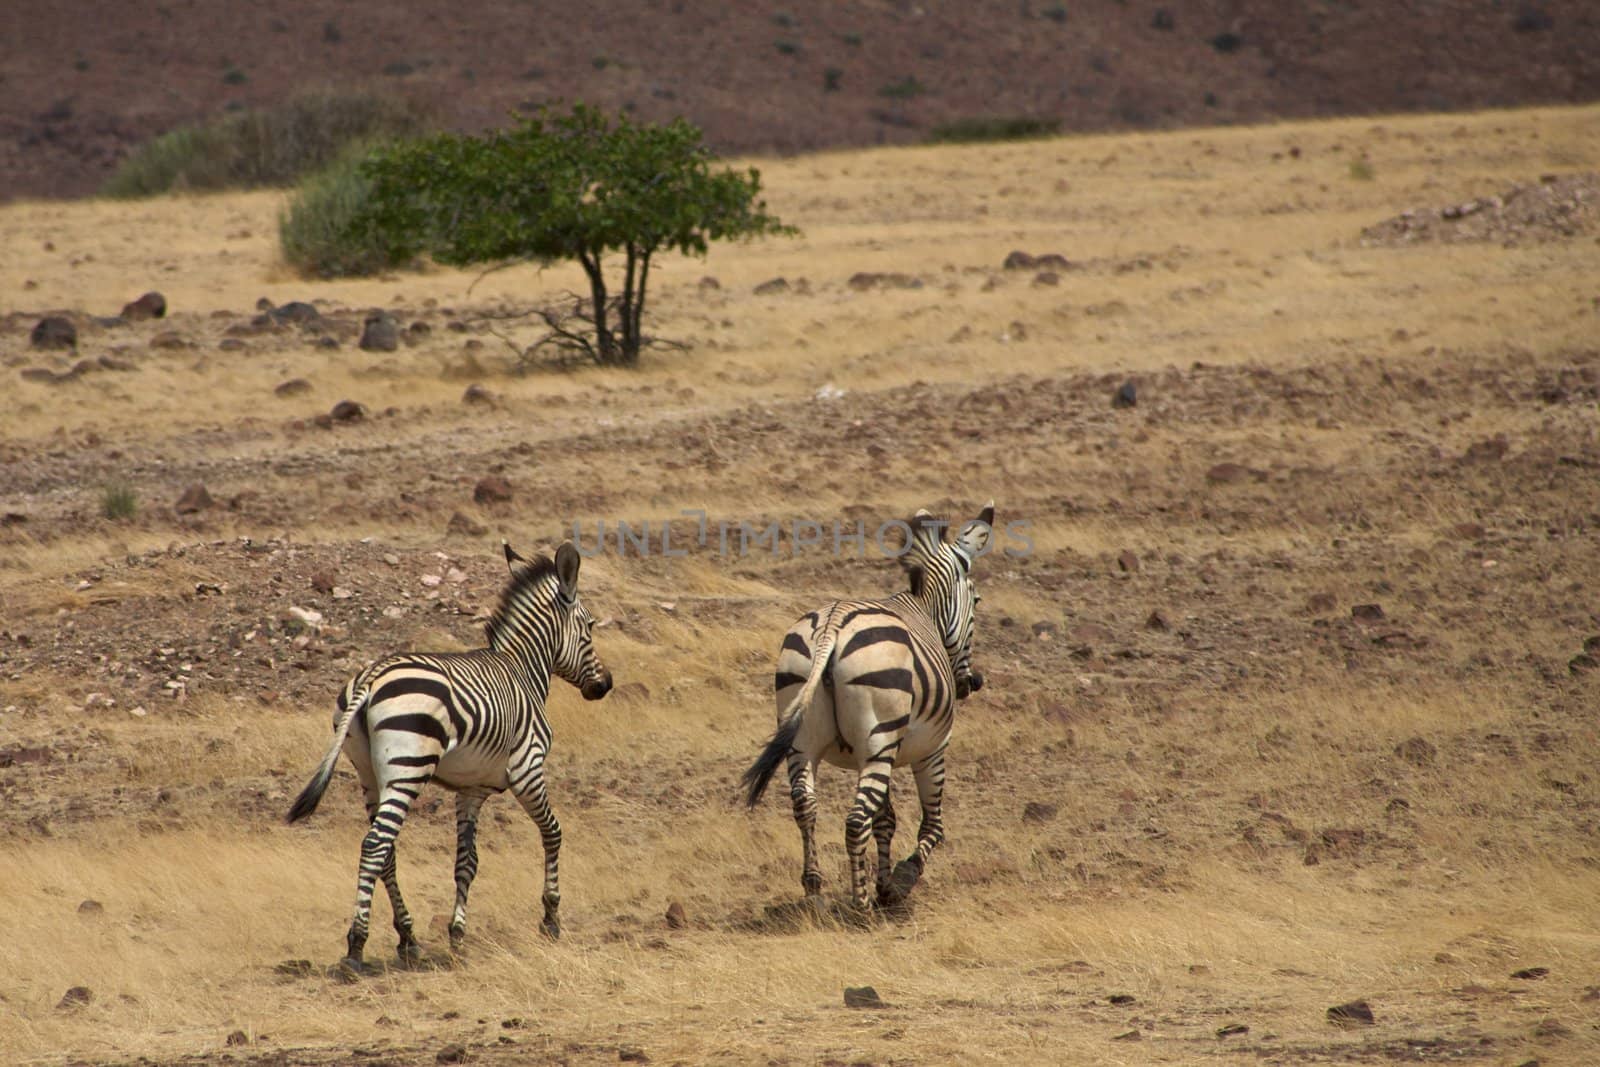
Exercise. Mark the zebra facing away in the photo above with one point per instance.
(871, 685)
(474, 722)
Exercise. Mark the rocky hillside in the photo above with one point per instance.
(83, 81)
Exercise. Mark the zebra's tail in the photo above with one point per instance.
(766, 765)
(311, 795)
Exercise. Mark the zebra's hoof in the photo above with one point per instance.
(551, 928)
(458, 934)
(410, 954)
(349, 969)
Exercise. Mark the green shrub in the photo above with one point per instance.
(1361, 170)
(323, 232)
(271, 147)
(1015, 128)
(903, 89)
(118, 501)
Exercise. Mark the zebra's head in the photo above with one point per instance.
(940, 572)
(570, 627)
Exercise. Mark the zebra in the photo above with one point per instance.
(870, 685)
(474, 722)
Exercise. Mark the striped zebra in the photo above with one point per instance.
(870, 685)
(473, 722)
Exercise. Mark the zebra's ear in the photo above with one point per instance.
(567, 562)
(512, 559)
(974, 536)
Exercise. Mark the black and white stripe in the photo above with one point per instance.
(473, 722)
(871, 685)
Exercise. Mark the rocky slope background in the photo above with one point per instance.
(84, 81)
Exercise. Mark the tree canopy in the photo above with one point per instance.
(581, 185)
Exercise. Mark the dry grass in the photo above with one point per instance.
(1248, 836)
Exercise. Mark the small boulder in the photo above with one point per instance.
(1157, 621)
(676, 918)
(54, 332)
(1126, 396)
(492, 489)
(323, 582)
(1020, 260)
(862, 997)
(293, 387)
(295, 312)
(1128, 561)
(170, 340)
(1417, 751)
(1367, 612)
(194, 499)
(1232, 1030)
(452, 1054)
(771, 286)
(380, 333)
(151, 305)
(1354, 1013)
(77, 997)
(477, 395)
(465, 526)
(1038, 811)
(1531, 974)
(348, 411)
(91, 907)
(237, 1038)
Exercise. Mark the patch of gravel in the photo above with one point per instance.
(1551, 209)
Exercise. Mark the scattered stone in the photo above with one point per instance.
(862, 997)
(628, 1054)
(1531, 974)
(91, 907)
(864, 280)
(54, 332)
(323, 582)
(1564, 207)
(771, 286)
(1157, 621)
(380, 333)
(348, 411)
(1417, 751)
(1044, 630)
(1233, 1030)
(296, 312)
(1354, 1013)
(77, 997)
(1046, 278)
(151, 305)
(1367, 612)
(465, 526)
(295, 968)
(1487, 451)
(1129, 1035)
(1038, 811)
(1227, 473)
(194, 499)
(709, 284)
(292, 387)
(1582, 663)
(477, 394)
(238, 1037)
(452, 1054)
(170, 340)
(1020, 260)
(1127, 561)
(492, 489)
(676, 919)
(1123, 999)
(1126, 396)
(1321, 603)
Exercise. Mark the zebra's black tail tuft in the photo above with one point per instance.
(761, 771)
(311, 795)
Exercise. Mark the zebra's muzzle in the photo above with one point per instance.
(597, 687)
(968, 684)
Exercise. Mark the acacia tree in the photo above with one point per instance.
(582, 185)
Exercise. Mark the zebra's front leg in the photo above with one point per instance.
(872, 793)
(930, 793)
(534, 801)
(467, 805)
(803, 793)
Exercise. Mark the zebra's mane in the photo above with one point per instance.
(915, 559)
(519, 594)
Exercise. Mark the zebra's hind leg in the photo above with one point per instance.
(531, 795)
(408, 951)
(883, 832)
(467, 805)
(872, 792)
(803, 793)
(377, 855)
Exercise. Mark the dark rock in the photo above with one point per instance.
(326, 343)
(1227, 473)
(1038, 811)
(295, 312)
(1367, 612)
(347, 411)
(1046, 278)
(465, 526)
(676, 919)
(1354, 1013)
(194, 499)
(492, 489)
(295, 968)
(1123, 999)
(1232, 1030)
(1020, 260)
(1582, 663)
(863, 280)
(477, 394)
(709, 284)
(862, 997)
(452, 1054)
(1487, 451)
(1227, 42)
(1127, 561)
(91, 907)
(238, 1037)
(170, 340)
(54, 332)
(77, 997)
(323, 582)
(1052, 261)
(1157, 621)
(773, 285)
(1045, 629)
(1126, 396)
(1163, 20)
(1551, 1027)
(151, 305)
(380, 333)
(632, 1055)
(1340, 843)
(292, 387)
(419, 329)
(1321, 603)
(1531, 974)
(1417, 751)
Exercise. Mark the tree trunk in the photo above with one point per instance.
(605, 341)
